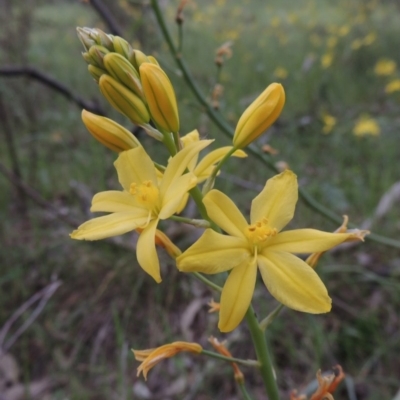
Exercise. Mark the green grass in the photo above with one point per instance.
(106, 304)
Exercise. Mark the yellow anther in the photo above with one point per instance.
(146, 193)
(260, 231)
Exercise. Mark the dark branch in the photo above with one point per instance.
(52, 83)
(107, 17)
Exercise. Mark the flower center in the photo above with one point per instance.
(146, 193)
(259, 232)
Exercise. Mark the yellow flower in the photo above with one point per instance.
(143, 202)
(385, 67)
(109, 133)
(260, 115)
(393, 86)
(280, 73)
(152, 357)
(288, 278)
(326, 60)
(329, 123)
(366, 126)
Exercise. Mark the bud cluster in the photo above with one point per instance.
(132, 82)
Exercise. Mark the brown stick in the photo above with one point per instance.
(52, 83)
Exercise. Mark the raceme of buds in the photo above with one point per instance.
(160, 97)
(109, 133)
(124, 72)
(260, 115)
(124, 100)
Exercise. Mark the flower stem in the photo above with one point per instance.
(200, 223)
(247, 363)
(263, 356)
(207, 282)
(244, 391)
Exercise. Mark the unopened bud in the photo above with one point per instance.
(84, 37)
(96, 72)
(102, 39)
(260, 115)
(123, 100)
(153, 60)
(137, 58)
(97, 54)
(123, 71)
(160, 97)
(109, 133)
(121, 46)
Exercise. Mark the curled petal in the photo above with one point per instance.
(213, 253)
(293, 282)
(236, 295)
(277, 201)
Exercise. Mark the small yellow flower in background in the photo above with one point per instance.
(109, 133)
(143, 202)
(356, 44)
(344, 30)
(152, 357)
(288, 278)
(220, 347)
(369, 39)
(326, 60)
(366, 126)
(260, 115)
(329, 122)
(393, 86)
(281, 73)
(160, 96)
(385, 67)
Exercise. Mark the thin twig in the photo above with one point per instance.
(52, 83)
(107, 17)
(43, 295)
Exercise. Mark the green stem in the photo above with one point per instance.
(266, 322)
(198, 199)
(170, 144)
(207, 282)
(221, 123)
(210, 180)
(247, 363)
(244, 391)
(260, 344)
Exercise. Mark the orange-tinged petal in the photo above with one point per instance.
(177, 164)
(223, 211)
(305, 241)
(237, 294)
(277, 201)
(116, 201)
(110, 225)
(146, 251)
(213, 253)
(135, 166)
(173, 197)
(293, 282)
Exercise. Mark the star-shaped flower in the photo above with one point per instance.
(143, 202)
(288, 278)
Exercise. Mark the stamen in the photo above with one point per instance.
(260, 231)
(145, 193)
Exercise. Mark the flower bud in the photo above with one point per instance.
(96, 72)
(160, 97)
(260, 115)
(124, 72)
(102, 39)
(123, 100)
(97, 54)
(85, 38)
(121, 46)
(137, 58)
(109, 133)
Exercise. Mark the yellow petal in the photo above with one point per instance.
(179, 163)
(223, 211)
(205, 166)
(213, 253)
(305, 241)
(116, 201)
(110, 225)
(277, 200)
(146, 251)
(236, 295)
(293, 282)
(135, 166)
(173, 197)
(183, 203)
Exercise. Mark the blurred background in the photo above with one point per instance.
(71, 311)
